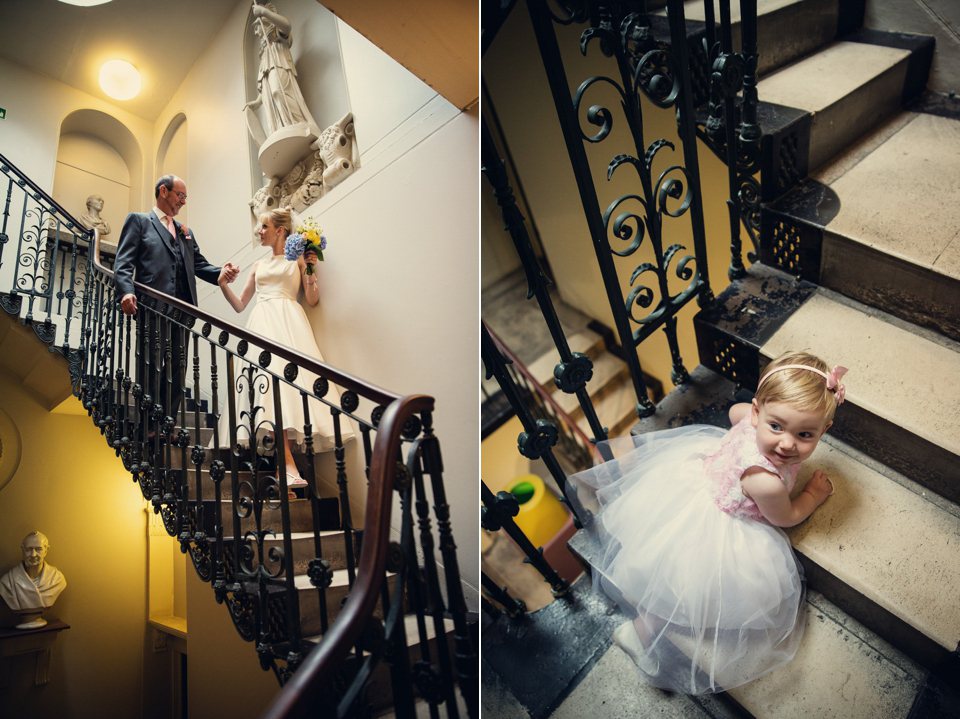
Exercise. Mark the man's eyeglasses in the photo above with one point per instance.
(183, 197)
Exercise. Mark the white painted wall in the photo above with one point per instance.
(36, 105)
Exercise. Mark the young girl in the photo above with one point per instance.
(279, 317)
(690, 521)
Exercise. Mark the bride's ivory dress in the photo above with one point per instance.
(278, 316)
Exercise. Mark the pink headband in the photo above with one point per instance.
(833, 378)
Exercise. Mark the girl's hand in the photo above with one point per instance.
(819, 486)
(310, 257)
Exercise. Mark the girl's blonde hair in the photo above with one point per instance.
(279, 218)
(800, 388)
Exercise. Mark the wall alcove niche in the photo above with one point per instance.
(98, 155)
(281, 176)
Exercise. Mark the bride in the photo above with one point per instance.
(279, 317)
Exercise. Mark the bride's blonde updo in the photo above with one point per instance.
(279, 218)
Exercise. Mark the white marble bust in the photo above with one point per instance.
(92, 217)
(33, 585)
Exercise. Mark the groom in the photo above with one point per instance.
(163, 252)
(165, 257)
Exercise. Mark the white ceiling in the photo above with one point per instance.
(161, 38)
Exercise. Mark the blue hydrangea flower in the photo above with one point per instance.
(293, 247)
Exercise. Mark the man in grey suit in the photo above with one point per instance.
(163, 255)
(162, 252)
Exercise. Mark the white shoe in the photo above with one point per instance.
(625, 637)
(295, 480)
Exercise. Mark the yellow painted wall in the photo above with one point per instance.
(224, 674)
(72, 488)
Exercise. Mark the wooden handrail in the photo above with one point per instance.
(49, 200)
(318, 668)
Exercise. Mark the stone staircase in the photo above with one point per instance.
(860, 264)
(46, 373)
(318, 609)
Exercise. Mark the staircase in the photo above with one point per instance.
(860, 265)
(351, 619)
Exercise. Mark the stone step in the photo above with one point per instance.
(335, 595)
(847, 87)
(332, 544)
(841, 670)
(301, 512)
(885, 549)
(786, 29)
(907, 170)
(844, 671)
(616, 410)
(587, 342)
(301, 516)
(609, 373)
(207, 487)
(379, 694)
(902, 390)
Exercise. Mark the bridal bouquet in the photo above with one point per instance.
(308, 237)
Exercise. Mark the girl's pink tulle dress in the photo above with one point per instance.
(718, 587)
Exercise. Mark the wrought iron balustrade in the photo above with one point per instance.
(216, 476)
(637, 62)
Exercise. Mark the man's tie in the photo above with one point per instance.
(170, 226)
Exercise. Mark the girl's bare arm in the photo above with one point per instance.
(773, 500)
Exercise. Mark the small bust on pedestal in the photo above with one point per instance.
(92, 219)
(33, 585)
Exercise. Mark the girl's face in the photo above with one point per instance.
(786, 435)
(269, 233)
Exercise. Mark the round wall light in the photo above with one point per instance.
(119, 79)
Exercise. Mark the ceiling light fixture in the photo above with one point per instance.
(84, 3)
(119, 79)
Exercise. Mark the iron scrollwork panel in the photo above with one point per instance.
(643, 69)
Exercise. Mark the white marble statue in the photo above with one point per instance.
(92, 217)
(299, 161)
(332, 157)
(33, 585)
(280, 97)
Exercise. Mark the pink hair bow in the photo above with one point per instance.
(833, 382)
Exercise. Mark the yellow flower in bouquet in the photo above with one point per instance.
(309, 236)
